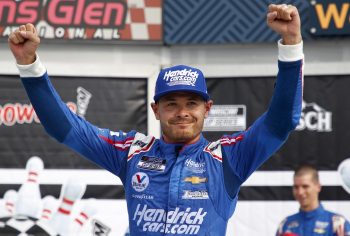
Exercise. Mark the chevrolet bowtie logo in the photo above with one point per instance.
(195, 180)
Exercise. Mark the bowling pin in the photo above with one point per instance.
(88, 210)
(8, 208)
(49, 206)
(29, 197)
(71, 192)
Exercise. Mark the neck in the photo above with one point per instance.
(310, 207)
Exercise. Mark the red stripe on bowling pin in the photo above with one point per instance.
(29, 202)
(10, 198)
(79, 222)
(33, 177)
(49, 205)
(9, 207)
(66, 206)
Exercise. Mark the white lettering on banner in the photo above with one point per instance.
(226, 118)
(181, 77)
(171, 222)
(315, 118)
(11, 114)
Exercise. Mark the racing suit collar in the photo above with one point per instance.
(178, 148)
(313, 213)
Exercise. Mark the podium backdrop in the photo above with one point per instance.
(121, 104)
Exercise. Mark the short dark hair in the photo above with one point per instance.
(307, 168)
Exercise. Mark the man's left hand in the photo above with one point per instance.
(285, 20)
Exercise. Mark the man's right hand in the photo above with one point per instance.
(23, 44)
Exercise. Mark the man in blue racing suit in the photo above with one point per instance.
(312, 219)
(180, 183)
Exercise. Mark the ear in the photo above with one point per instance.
(319, 187)
(155, 108)
(208, 105)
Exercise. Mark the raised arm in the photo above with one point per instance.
(284, 112)
(248, 150)
(60, 123)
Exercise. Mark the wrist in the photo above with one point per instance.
(289, 53)
(26, 60)
(291, 40)
(36, 69)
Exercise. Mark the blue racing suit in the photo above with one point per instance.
(318, 222)
(174, 189)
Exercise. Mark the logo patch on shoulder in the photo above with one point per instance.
(139, 143)
(152, 163)
(293, 224)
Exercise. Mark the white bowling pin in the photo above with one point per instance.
(49, 206)
(8, 207)
(61, 220)
(29, 197)
(88, 210)
(344, 172)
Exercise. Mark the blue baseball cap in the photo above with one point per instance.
(181, 79)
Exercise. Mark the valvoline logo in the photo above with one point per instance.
(140, 181)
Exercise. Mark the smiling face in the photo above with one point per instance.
(181, 116)
(306, 190)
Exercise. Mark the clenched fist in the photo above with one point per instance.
(23, 44)
(285, 20)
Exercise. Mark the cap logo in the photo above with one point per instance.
(181, 77)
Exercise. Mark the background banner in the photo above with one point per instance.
(113, 103)
(87, 20)
(223, 21)
(323, 133)
(330, 17)
(185, 22)
(320, 138)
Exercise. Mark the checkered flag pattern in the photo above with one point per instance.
(143, 20)
(26, 226)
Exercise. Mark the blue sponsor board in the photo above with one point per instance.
(330, 17)
(223, 21)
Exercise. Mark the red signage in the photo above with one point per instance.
(122, 20)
